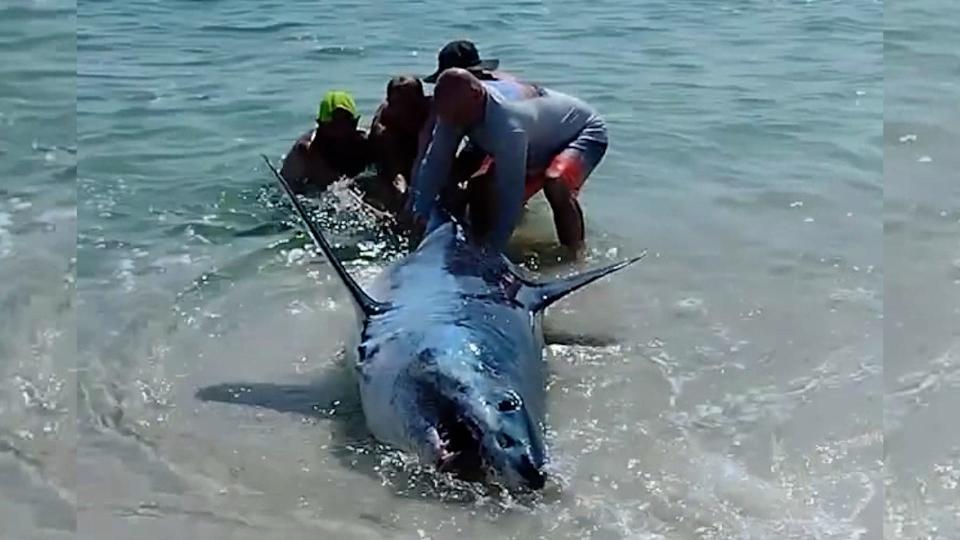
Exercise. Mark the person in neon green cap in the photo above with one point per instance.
(337, 100)
(337, 147)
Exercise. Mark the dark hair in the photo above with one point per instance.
(404, 81)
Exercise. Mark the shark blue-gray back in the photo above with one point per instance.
(453, 370)
(450, 359)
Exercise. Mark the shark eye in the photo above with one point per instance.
(508, 404)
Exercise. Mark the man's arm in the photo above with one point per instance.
(434, 169)
(467, 163)
(423, 141)
(361, 155)
(294, 169)
(389, 158)
(510, 173)
(376, 138)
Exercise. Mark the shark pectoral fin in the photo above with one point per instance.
(323, 398)
(539, 296)
(556, 336)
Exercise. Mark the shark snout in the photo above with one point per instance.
(517, 464)
(531, 474)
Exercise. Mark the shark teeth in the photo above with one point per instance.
(444, 456)
(433, 437)
(446, 459)
(440, 444)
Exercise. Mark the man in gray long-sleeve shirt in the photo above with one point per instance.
(537, 139)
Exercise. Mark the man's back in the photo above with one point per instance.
(550, 120)
(530, 134)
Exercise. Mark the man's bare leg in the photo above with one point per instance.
(567, 215)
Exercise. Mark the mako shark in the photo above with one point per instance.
(450, 358)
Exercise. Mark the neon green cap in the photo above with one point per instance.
(336, 100)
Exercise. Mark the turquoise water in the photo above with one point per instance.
(38, 235)
(922, 254)
(747, 154)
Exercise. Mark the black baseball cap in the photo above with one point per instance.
(461, 54)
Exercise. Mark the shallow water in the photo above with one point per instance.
(744, 401)
(922, 253)
(38, 233)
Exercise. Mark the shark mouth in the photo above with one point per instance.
(458, 442)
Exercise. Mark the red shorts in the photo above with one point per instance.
(571, 166)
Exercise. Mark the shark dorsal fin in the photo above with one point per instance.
(368, 305)
(539, 296)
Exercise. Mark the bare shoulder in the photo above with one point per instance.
(294, 163)
(303, 142)
(301, 145)
(378, 115)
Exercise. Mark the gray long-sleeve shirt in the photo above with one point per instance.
(523, 130)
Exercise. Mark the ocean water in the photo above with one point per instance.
(922, 260)
(38, 235)
(765, 153)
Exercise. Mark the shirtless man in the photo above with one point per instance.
(400, 127)
(538, 139)
(335, 148)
